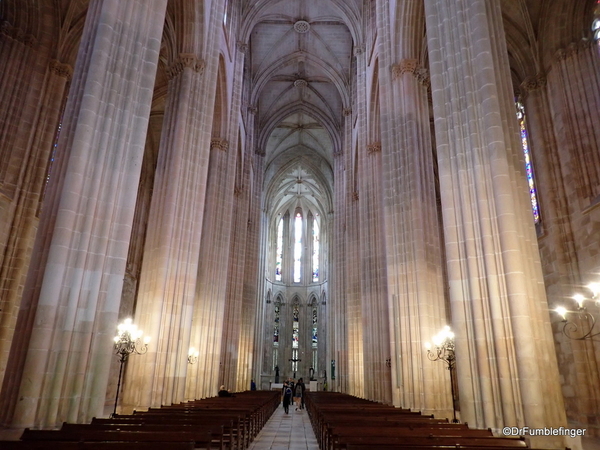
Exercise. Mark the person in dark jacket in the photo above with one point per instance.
(303, 387)
(224, 392)
(298, 393)
(287, 397)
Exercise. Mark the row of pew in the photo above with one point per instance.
(223, 423)
(344, 422)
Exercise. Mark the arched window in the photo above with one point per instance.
(295, 335)
(315, 338)
(298, 248)
(276, 324)
(528, 164)
(279, 251)
(315, 255)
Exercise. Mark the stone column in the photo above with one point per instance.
(507, 370)
(23, 215)
(234, 347)
(574, 84)
(75, 290)
(570, 101)
(253, 290)
(354, 317)
(209, 307)
(166, 301)
(413, 242)
(337, 343)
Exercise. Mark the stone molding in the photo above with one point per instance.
(17, 34)
(300, 83)
(413, 67)
(375, 147)
(533, 83)
(61, 69)
(572, 49)
(252, 109)
(243, 47)
(301, 26)
(219, 144)
(359, 49)
(183, 61)
(347, 112)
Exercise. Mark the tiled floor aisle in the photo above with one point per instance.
(286, 432)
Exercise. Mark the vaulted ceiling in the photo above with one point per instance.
(300, 62)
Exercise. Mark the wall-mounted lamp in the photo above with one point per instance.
(583, 322)
(193, 355)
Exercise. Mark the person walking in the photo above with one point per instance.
(298, 391)
(287, 397)
(303, 387)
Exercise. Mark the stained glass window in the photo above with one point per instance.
(315, 340)
(315, 255)
(279, 251)
(297, 247)
(276, 327)
(528, 164)
(296, 326)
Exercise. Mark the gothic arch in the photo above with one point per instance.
(220, 117)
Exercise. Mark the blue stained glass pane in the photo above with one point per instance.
(528, 165)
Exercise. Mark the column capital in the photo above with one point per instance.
(375, 147)
(219, 144)
(572, 49)
(533, 83)
(347, 112)
(17, 34)
(61, 69)
(412, 66)
(183, 61)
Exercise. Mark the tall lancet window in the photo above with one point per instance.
(315, 339)
(295, 326)
(279, 251)
(297, 247)
(315, 255)
(295, 336)
(276, 326)
(528, 165)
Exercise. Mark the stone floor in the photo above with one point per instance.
(286, 432)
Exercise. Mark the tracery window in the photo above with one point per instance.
(279, 251)
(315, 339)
(296, 326)
(528, 164)
(295, 336)
(315, 255)
(276, 325)
(297, 248)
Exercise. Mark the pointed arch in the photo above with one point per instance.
(219, 126)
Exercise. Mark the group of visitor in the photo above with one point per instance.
(293, 390)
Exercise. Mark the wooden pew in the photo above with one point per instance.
(202, 438)
(114, 445)
(342, 422)
(215, 423)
